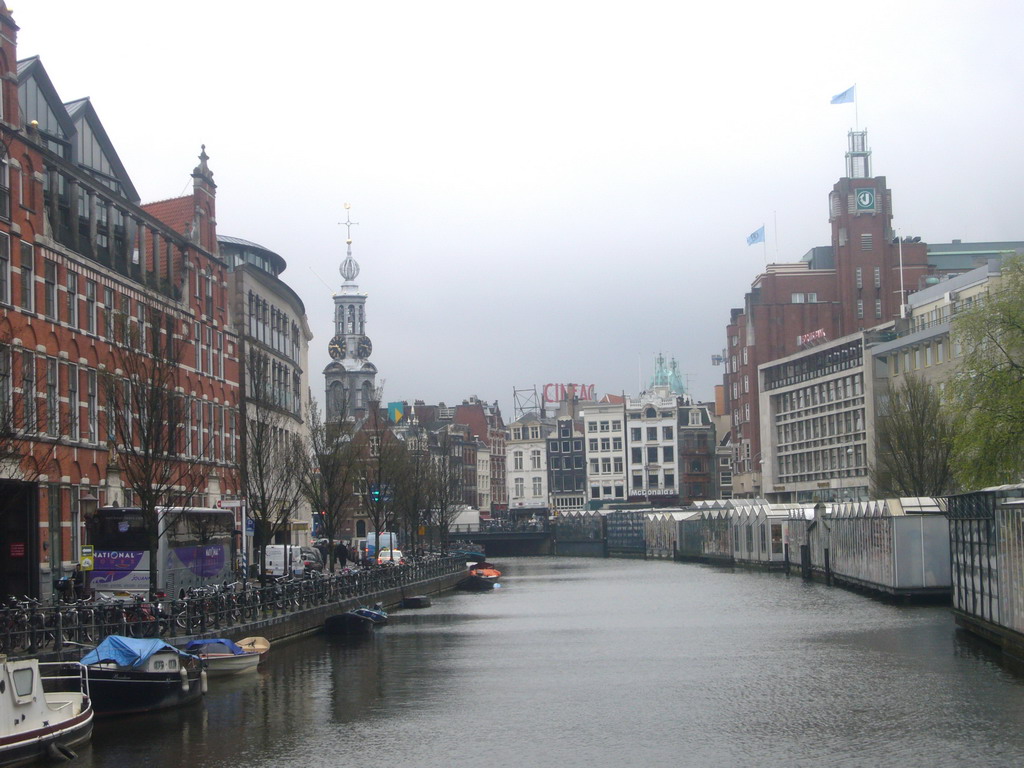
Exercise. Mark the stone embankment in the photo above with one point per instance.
(280, 610)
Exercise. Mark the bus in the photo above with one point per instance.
(197, 547)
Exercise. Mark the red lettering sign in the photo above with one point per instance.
(807, 338)
(17, 549)
(556, 393)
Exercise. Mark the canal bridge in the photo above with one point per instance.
(504, 543)
(518, 542)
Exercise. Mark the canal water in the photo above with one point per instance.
(609, 663)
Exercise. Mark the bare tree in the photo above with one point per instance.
(411, 492)
(446, 486)
(272, 455)
(146, 415)
(382, 463)
(330, 470)
(913, 442)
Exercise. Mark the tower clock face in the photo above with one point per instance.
(336, 348)
(364, 347)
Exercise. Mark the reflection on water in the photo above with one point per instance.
(609, 663)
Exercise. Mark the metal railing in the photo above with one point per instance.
(29, 627)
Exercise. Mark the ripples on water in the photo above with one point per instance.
(609, 663)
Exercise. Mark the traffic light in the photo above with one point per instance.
(375, 492)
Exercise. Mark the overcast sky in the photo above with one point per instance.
(546, 191)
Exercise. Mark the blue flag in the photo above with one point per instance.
(756, 237)
(846, 96)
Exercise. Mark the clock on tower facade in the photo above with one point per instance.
(350, 377)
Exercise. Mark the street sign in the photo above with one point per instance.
(85, 560)
(229, 503)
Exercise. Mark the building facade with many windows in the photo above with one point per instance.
(819, 405)
(818, 416)
(88, 278)
(858, 281)
(567, 471)
(274, 336)
(923, 344)
(604, 434)
(652, 452)
(526, 465)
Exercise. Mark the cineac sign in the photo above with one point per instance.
(556, 393)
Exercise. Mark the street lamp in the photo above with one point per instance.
(87, 509)
(286, 514)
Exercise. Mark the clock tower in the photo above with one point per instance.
(874, 267)
(350, 377)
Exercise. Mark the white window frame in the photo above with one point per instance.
(5, 268)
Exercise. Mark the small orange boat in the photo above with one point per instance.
(487, 573)
(483, 576)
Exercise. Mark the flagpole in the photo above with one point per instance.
(775, 234)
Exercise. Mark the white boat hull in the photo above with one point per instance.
(218, 665)
(36, 724)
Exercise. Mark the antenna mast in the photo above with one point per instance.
(526, 401)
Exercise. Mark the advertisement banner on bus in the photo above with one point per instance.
(119, 571)
(196, 548)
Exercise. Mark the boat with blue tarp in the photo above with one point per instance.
(358, 621)
(128, 675)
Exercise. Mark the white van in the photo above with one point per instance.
(387, 540)
(275, 559)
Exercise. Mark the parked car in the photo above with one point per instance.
(390, 557)
(311, 559)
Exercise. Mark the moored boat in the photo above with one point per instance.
(223, 656)
(358, 621)
(377, 614)
(348, 623)
(129, 675)
(45, 710)
(258, 645)
(484, 576)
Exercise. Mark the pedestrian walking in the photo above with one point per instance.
(341, 554)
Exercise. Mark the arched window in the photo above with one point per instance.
(361, 528)
(337, 400)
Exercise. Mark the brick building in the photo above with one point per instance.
(859, 281)
(81, 262)
(485, 422)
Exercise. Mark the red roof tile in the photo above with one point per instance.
(177, 213)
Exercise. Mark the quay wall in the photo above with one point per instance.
(279, 611)
(300, 623)
(583, 548)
